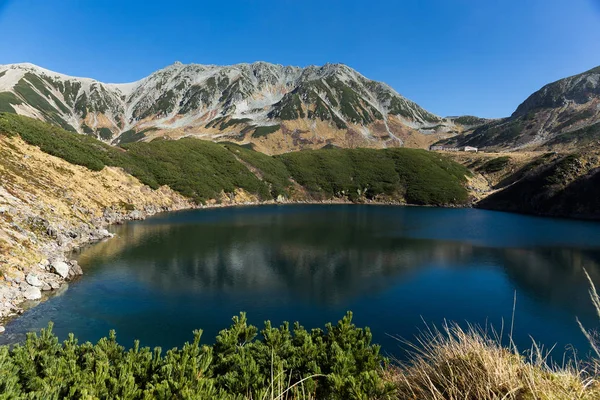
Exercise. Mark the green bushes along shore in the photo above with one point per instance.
(202, 170)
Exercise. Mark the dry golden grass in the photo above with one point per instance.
(455, 363)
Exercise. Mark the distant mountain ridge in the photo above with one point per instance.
(563, 115)
(281, 107)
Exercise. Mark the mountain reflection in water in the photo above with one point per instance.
(391, 265)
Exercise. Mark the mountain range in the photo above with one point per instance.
(277, 108)
(563, 115)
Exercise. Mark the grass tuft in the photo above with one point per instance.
(455, 363)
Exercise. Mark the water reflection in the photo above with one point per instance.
(326, 257)
(159, 279)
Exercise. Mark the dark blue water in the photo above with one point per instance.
(394, 267)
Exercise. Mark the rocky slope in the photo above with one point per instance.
(564, 115)
(552, 184)
(49, 206)
(277, 108)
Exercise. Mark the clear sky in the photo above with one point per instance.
(479, 57)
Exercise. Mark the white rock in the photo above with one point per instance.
(32, 293)
(105, 233)
(60, 268)
(2, 329)
(33, 280)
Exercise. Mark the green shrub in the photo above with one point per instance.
(233, 122)
(417, 176)
(339, 362)
(7, 100)
(202, 170)
(495, 165)
(105, 133)
(271, 169)
(197, 169)
(265, 130)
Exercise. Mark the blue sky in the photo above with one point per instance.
(479, 57)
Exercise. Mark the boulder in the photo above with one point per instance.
(2, 329)
(60, 268)
(76, 269)
(33, 280)
(104, 233)
(54, 285)
(32, 293)
(46, 287)
(136, 215)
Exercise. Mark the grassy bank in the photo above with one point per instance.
(203, 170)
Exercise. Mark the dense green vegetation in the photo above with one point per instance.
(202, 170)
(469, 120)
(195, 168)
(494, 165)
(265, 130)
(198, 169)
(339, 362)
(233, 122)
(272, 170)
(418, 176)
(132, 136)
(105, 133)
(289, 107)
(7, 99)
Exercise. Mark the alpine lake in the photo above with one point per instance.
(398, 269)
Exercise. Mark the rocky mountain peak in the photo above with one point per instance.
(318, 104)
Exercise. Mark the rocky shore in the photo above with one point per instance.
(48, 208)
(24, 286)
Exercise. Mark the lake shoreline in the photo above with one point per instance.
(10, 311)
(312, 262)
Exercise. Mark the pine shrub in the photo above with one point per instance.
(339, 362)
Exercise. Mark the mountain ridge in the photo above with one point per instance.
(309, 106)
(563, 115)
